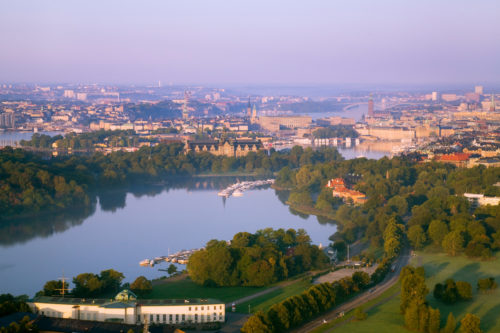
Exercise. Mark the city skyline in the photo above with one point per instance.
(222, 43)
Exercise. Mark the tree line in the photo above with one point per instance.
(86, 285)
(30, 183)
(419, 316)
(297, 310)
(258, 259)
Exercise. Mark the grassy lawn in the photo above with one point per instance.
(439, 267)
(266, 301)
(381, 318)
(186, 288)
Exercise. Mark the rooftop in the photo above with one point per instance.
(112, 303)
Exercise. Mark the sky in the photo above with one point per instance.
(271, 42)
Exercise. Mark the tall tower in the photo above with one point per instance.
(185, 113)
(249, 108)
(253, 119)
(492, 103)
(370, 106)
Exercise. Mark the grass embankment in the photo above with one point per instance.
(386, 317)
(310, 210)
(185, 288)
(264, 302)
(370, 307)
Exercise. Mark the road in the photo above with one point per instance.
(362, 298)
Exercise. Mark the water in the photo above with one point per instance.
(126, 227)
(12, 139)
(356, 113)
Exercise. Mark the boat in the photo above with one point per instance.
(237, 193)
(144, 262)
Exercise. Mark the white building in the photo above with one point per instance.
(126, 308)
(481, 200)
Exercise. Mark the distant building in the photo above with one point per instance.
(7, 120)
(275, 124)
(435, 96)
(81, 96)
(477, 200)
(478, 90)
(69, 94)
(231, 148)
(340, 190)
(126, 308)
(458, 159)
(370, 106)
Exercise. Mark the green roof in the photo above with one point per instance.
(113, 303)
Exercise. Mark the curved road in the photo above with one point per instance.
(364, 297)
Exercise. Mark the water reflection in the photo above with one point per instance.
(22, 230)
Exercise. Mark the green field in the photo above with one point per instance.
(266, 301)
(439, 267)
(186, 288)
(381, 318)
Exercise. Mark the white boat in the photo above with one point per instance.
(237, 193)
(144, 262)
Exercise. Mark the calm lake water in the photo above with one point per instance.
(126, 227)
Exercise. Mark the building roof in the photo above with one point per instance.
(110, 303)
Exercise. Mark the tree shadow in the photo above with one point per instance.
(490, 318)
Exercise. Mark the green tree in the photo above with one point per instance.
(470, 324)
(451, 324)
(434, 320)
(141, 286)
(256, 324)
(172, 269)
(437, 231)
(53, 287)
(453, 242)
(87, 285)
(111, 280)
(417, 236)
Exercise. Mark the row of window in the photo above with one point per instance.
(175, 319)
(208, 308)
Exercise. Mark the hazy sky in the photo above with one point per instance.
(250, 42)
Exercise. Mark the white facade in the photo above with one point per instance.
(132, 311)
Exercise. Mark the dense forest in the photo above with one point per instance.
(30, 183)
(421, 201)
(84, 141)
(256, 259)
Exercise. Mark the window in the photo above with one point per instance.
(170, 318)
(196, 318)
(189, 308)
(202, 317)
(164, 318)
(138, 318)
(151, 318)
(196, 308)
(88, 316)
(183, 317)
(157, 318)
(201, 308)
(220, 307)
(176, 318)
(95, 316)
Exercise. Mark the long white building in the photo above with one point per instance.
(126, 308)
